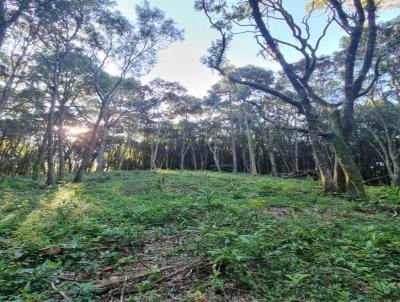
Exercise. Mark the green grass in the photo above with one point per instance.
(195, 236)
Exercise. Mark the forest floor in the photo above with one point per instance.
(195, 236)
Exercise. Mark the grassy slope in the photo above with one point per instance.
(197, 237)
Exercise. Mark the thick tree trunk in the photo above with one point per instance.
(345, 157)
(320, 156)
(395, 175)
(103, 135)
(322, 162)
(100, 161)
(339, 178)
(274, 170)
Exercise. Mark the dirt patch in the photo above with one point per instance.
(159, 266)
(136, 189)
(389, 211)
(277, 212)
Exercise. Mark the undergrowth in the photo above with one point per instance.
(195, 236)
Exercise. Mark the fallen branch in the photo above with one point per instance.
(107, 283)
(123, 289)
(182, 270)
(54, 287)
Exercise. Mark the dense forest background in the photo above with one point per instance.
(71, 99)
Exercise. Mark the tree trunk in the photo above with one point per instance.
(194, 159)
(182, 163)
(322, 162)
(88, 153)
(216, 160)
(274, 171)
(395, 180)
(51, 180)
(40, 158)
(233, 146)
(321, 158)
(153, 154)
(252, 157)
(339, 179)
(61, 149)
(100, 162)
(345, 157)
(296, 152)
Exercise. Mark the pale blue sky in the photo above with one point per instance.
(181, 61)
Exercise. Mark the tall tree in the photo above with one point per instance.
(352, 19)
(132, 49)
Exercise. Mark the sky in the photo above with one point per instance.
(180, 62)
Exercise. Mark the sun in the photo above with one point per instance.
(76, 130)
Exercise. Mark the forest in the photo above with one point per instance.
(280, 183)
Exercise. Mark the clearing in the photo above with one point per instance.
(195, 236)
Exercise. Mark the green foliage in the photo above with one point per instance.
(273, 239)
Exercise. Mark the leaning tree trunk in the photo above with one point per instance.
(322, 162)
(214, 152)
(320, 156)
(88, 153)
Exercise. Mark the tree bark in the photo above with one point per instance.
(339, 178)
(274, 170)
(100, 162)
(153, 154)
(345, 157)
(194, 159)
(51, 180)
(296, 152)
(40, 158)
(214, 152)
(252, 157)
(88, 152)
(233, 144)
(61, 147)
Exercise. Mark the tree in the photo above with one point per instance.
(352, 19)
(132, 49)
(10, 12)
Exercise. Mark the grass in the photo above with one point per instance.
(195, 236)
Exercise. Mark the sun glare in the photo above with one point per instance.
(76, 130)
